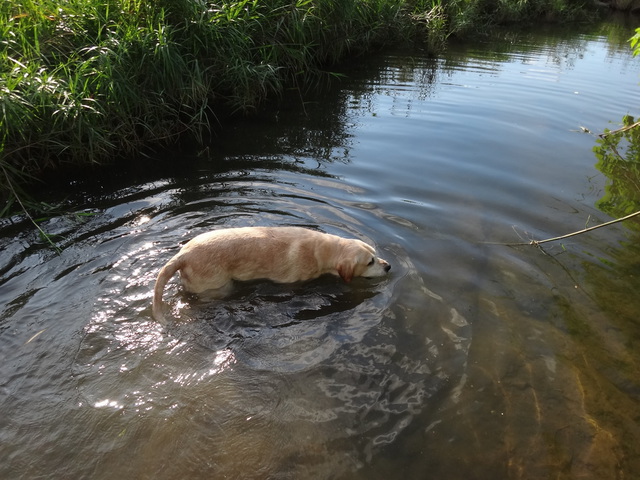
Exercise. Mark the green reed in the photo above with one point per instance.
(82, 81)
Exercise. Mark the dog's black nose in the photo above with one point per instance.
(387, 267)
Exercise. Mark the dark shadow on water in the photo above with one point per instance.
(270, 324)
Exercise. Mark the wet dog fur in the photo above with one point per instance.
(211, 261)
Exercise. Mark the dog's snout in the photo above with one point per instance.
(387, 267)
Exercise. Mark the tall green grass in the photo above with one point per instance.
(82, 81)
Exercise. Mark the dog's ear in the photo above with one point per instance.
(346, 270)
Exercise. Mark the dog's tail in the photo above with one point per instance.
(165, 274)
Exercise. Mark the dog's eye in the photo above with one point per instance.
(373, 260)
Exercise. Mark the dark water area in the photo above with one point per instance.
(471, 360)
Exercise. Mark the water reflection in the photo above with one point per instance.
(618, 157)
(314, 368)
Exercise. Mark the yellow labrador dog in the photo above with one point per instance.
(211, 261)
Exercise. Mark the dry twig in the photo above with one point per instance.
(539, 242)
(620, 130)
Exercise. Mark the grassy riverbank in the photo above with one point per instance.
(83, 81)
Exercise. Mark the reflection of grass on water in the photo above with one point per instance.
(618, 154)
(82, 81)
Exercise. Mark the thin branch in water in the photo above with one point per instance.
(614, 149)
(619, 130)
(538, 242)
(24, 210)
(579, 232)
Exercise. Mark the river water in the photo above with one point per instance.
(471, 360)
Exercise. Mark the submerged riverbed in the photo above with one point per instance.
(470, 360)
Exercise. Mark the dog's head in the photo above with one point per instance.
(359, 259)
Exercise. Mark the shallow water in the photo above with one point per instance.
(471, 360)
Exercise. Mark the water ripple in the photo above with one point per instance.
(322, 358)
